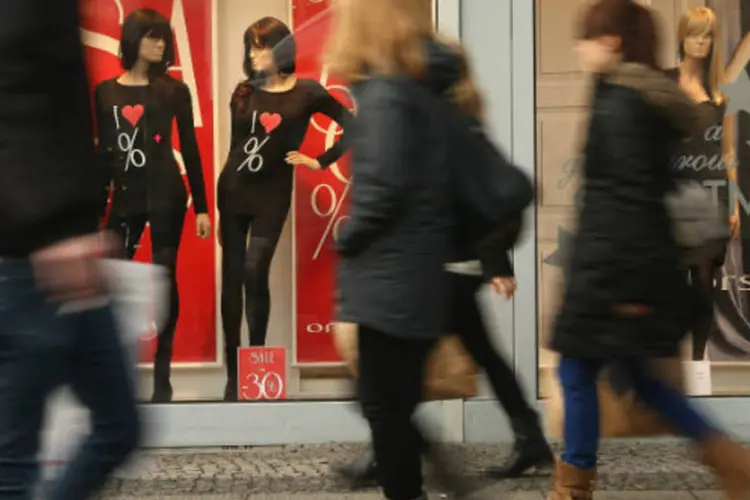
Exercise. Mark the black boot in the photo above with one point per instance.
(530, 450)
(162, 384)
(362, 472)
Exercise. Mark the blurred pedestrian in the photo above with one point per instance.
(56, 327)
(472, 265)
(625, 299)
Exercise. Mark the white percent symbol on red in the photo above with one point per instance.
(332, 211)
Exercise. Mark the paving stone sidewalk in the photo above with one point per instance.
(625, 466)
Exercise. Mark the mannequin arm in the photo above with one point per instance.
(325, 103)
(104, 154)
(189, 147)
(739, 60)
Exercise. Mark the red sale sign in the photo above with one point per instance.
(319, 198)
(101, 21)
(261, 373)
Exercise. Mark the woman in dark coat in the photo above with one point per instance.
(626, 299)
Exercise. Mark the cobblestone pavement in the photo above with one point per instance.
(281, 472)
(488, 493)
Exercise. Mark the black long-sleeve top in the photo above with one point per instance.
(49, 184)
(135, 146)
(265, 127)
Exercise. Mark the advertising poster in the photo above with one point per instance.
(319, 198)
(195, 337)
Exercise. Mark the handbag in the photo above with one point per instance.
(450, 374)
(621, 413)
(700, 228)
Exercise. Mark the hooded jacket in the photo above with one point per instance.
(49, 184)
(624, 251)
(397, 241)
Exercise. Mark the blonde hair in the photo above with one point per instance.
(383, 37)
(703, 21)
(465, 92)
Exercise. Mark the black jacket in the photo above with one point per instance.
(624, 251)
(397, 241)
(49, 184)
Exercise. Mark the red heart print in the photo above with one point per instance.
(270, 121)
(133, 114)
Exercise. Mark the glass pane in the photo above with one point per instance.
(717, 357)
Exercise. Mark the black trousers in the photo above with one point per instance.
(166, 233)
(468, 324)
(247, 265)
(702, 284)
(389, 387)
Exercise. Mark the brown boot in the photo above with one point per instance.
(730, 462)
(572, 483)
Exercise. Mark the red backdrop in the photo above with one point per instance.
(195, 339)
(319, 198)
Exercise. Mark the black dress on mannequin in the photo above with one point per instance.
(701, 159)
(135, 145)
(254, 195)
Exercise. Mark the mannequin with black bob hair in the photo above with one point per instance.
(271, 110)
(135, 115)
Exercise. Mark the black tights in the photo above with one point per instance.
(702, 283)
(245, 266)
(166, 233)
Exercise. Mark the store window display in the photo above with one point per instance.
(135, 115)
(706, 49)
(270, 113)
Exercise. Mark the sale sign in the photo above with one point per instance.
(319, 197)
(101, 24)
(261, 373)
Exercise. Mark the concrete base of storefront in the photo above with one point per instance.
(658, 466)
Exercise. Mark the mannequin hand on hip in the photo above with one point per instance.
(203, 226)
(504, 285)
(297, 158)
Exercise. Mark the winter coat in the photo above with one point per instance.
(397, 241)
(624, 251)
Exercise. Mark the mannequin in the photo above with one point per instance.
(135, 115)
(271, 111)
(710, 158)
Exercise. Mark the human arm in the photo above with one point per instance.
(382, 151)
(192, 159)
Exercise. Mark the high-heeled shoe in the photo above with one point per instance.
(530, 450)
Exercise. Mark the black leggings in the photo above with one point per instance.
(468, 325)
(166, 233)
(702, 283)
(246, 266)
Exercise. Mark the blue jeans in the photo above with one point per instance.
(41, 350)
(581, 428)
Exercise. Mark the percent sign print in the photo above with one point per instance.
(333, 212)
(263, 385)
(134, 156)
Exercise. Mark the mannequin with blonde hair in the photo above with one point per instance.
(710, 157)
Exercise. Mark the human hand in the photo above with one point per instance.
(297, 158)
(203, 226)
(69, 270)
(504, 285)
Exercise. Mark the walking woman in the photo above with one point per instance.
(473, 265)
(625, 300)
(396, 242)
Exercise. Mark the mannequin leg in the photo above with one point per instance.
(701, 280)
(265, 230)
(257, 293)
(166, 233)
(234, 229)
(129, 229)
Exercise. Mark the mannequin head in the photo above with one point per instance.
(270, 49)
(147, 41)
(616, 31)
(699, 40)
